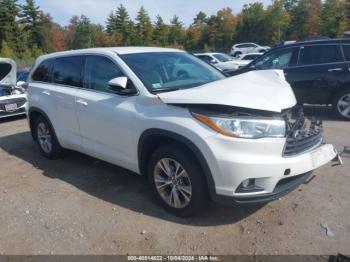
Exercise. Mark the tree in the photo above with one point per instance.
(30, 19)
(314, 17)
(9, 30)
(226, 24)
(297, 28)
(175, 31)
(250, 26)
(331, 17)
(143, 27)
(160, 32)
(277, 21)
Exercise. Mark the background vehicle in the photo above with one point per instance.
(318, 71)
(12, 98)
(163, 113)
(221, 61)
(245, 59)
(245, 48)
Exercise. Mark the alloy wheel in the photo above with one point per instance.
(172, 183)
(344, 105)
(44, 137)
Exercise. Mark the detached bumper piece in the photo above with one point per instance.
(283, 187)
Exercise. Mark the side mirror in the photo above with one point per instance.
(121, 86)
(213, 61)
(118, 83)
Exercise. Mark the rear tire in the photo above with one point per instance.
(45, 136)
(237, 54)
(341, 104)
(177, 181)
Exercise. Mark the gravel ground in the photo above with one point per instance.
(79, 205)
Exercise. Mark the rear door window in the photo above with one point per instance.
(68, 71)
(320, 54)
(44, 72)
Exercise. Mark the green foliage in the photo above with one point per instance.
(331, 17)
(160, 32)
(144, 28)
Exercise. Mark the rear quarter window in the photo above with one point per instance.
(43, 73)
(321, 54)
(346, 49)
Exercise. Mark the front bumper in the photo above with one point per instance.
(261, 160)
(19, 100)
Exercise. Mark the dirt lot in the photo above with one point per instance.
(79, 205)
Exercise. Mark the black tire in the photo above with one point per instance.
(56, 150)
(262, 51)
(237, 54)
(200, 196)
(337, 109)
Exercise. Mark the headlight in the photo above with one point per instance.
(245, 127)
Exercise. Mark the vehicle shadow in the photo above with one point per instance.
(12, 118)
(114, 184)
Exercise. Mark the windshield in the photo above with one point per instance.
(223, 57)
(166, 71)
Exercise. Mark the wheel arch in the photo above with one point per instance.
(147, 144)
(33, 114)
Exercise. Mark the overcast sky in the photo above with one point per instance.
(98, 10)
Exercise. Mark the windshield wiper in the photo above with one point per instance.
(163, 90)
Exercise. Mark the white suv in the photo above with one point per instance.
(246, 48)
(165, 114)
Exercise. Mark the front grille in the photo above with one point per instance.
(301, 138)
(18, 101)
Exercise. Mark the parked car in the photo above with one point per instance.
(13, 100)
(245, 48)
(221, 61)
(22, 75)
(318, 71)
(163, 113)
(245, 59)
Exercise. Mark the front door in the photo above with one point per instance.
(106, 119)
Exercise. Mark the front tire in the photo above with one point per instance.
(46, 139)
(177, 181)
(341, 104)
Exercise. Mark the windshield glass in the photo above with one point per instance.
(166, 71)
(223, 57)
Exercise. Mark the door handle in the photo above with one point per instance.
(46, 93)
(82, 102)
(335, 69)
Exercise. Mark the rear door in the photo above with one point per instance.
(66, 81)
(318, 73)
(346, 80)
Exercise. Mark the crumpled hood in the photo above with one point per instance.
(8, 72)
(263, 90)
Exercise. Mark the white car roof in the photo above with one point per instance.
(212, 53)
(104, 50)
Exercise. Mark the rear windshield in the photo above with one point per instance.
(5, 69)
